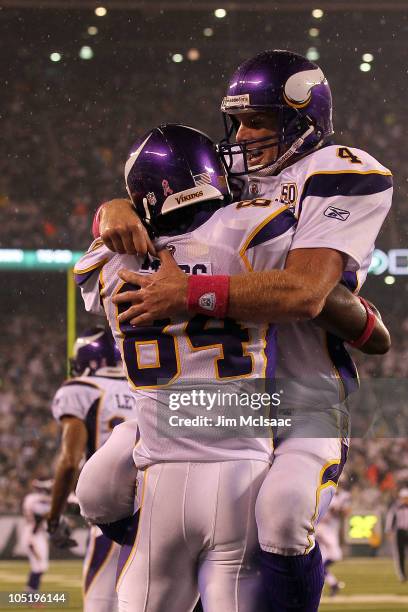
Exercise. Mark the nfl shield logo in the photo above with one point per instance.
(254, 188)
(207, 301)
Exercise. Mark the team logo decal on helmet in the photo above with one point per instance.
(298, 88)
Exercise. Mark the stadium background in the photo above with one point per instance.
(78, 89)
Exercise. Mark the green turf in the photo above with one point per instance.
(372, 581)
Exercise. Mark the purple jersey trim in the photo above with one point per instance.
(91, 423)
(332, 184)
(343, 364)
(80, 279)
(270, 352)
(333, 472)
(274, 228)
(350, 280)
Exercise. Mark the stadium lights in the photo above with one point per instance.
(86, 53)
(365, 67)
(100, 11)
(193, 55)
(220, 13)
(92, 31)
(317, 13)
(367, 57)
(389, 280)
(208, 32)
(55, 57)
(177, 58)
(312, 54)
(314, 32)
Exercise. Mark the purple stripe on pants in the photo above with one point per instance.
(101, 550)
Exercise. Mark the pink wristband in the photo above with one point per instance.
(369, 326)
(95, 223)
(208, 295)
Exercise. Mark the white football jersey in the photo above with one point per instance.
(340, 197)
(235, 239)
(36, 505)
(101, 401)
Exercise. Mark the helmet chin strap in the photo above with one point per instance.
(284, 158)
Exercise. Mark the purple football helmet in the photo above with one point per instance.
(173, 167)
(292, 87)
(94, 349)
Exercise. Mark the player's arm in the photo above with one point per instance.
(72, 449)
(295, 293)
(345, 316)
(120, 228)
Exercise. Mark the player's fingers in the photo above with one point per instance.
(127, 240)
(134, 297)
(150, 246)
(142, 320)
(167, 259)
(132, 312)
(142, 280)
(140, 238)
(113, 242)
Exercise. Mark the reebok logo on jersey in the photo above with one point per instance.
(337, 213)
(207, 301)
(190, 196)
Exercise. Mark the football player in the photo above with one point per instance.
(279, 112)
(93, 401)
(241, 236)
(36, 506)
(328, 534)
(197, 492)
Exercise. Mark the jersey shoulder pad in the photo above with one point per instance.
(81, 381)
(337, 171)
(94, 259)
(74, 398)
(342, 158)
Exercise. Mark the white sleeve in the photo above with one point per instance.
(343, 211)
(74, 399)
(87, 275)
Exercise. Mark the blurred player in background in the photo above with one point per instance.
(89, 405)
(396, 525)
(328, 534)
(36, 506)
(278, 116)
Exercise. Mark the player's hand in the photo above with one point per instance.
(161, 295)
(60, 534)
(121, 229)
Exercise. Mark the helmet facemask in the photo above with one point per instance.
(292, 130)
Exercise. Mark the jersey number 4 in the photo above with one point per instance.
(345, 153)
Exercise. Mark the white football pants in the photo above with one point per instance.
(196, 536)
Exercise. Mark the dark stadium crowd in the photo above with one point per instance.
(68, 136)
